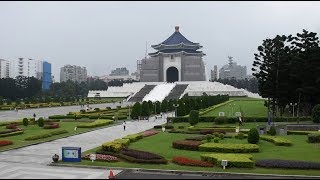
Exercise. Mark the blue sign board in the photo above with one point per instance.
(71, 154)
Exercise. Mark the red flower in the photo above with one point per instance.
(5, 142)
(190, 162)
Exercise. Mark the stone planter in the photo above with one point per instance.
(55, 158)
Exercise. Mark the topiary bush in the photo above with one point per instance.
(220, 120)
(240, 135)
(40, 122)
(316, 113)
(216, 140)
(253, 136)
(272, 131)
(25, 121)
(194, 117)
(209, 137)
(221, 136)
(313, 138)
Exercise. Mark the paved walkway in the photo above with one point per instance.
(45, 112)
(31, 161)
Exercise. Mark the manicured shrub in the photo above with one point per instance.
(190, 162)
(113, 146)
(25, 121)
(278, 141)
(221, 136)
(229, 148)
(5, 143)
(216, 140)
(16, 132)
(45, 135)
(186, 144)
(40, 122)
(302, 132)
(180, 127)
(7, 131)
(288, 164)
(234, 160)
(96, 123)
(216, 134)
(220, 120)
(51, 125)
(240, 135)
(211, 131)
(194, 117)
(209, 137)
(313, 138)
(169, 127)
(157, 127)
(102, 157)
(97, 109)
(253, 136)
(197, 138)
(316, 113)
(272, 131)
(140, 154)
(133, 137)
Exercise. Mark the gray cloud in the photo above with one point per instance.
(106, 35)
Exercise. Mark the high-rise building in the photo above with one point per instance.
(233, 71)
(119, 72)
(5, 67)
(73, 73)
(46, 75)
(214, 73)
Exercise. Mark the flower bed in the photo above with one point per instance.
(12, 126)
(278, 141)
(102, 157)
(140, 154)
(229, 148)
(51, 125)
(290, 164)
(149, 133)
(190, 162)
(234, 160)
(216, 129)
(186, 144)
(5, 143)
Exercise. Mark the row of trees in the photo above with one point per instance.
(288, 71)
(248, 84)
(185, 105)
(28, 89)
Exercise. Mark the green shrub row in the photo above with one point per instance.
(229, 148)
(302, 132)
(278, 141)
(133, 137)
(192, 128)
(96, 123)
(234, 160)
(18, 122)
(45, 135)
(231, 120)
(313, 138)
(11, 134)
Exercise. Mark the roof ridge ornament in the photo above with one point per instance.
(177, 28)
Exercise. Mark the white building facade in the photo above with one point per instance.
(73, 73)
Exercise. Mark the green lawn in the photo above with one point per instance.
(30, 130)
(161, 144)
(248, 107)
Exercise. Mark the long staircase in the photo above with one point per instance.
(176, 91)
(141, 94)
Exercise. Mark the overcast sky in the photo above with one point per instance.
(104, 35)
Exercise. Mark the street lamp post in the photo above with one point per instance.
(293, 105)
(175, 105)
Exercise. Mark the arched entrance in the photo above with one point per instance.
(172, 74)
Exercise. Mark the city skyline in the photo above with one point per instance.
(102, 36)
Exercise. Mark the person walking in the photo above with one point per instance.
(124, 125)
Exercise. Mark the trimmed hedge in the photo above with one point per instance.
(133, 137)
(96, 123)
(229, 148)
(157, 127)
(102, 157)
(51, 125)
(186, 144)
(290, 164)
(168, 127)
(217, 129)
(5, 143)
(183, 131)
(234, 160)
(45, 135)
(70, 116)
(313, 138)
(140, 154)
(11, 122)
(112, 146)
(278, 141)
(197, 138)
(11, 134)
(11, 126)
(302, 132)
(190, 162)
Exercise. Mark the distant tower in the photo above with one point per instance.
(214, 73)
(230, 60)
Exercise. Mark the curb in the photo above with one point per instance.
(203, 173)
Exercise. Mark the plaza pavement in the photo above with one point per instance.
(31, 161)
(45, 112)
